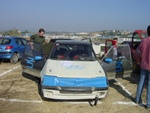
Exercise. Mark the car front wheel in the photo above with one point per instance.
(14, 59)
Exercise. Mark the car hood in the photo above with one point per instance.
(72, 69)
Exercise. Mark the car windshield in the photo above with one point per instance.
(76, 52)
(4, 41)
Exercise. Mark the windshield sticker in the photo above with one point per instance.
(69, 65)
(66, 63)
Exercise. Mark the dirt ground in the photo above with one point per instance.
(20, 94)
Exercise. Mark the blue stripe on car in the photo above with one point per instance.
(73, 82)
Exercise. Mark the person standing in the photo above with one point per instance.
(114, 44)
(144, 52)
(39, 37)
(36, 48)
(115, 41)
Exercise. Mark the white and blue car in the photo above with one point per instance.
(70, 70)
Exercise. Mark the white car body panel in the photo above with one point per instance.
(73, 69)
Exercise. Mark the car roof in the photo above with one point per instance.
(53, 40)
(140, 31)
(10, 37)
(72, 42)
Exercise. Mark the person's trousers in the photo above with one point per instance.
(144, 80)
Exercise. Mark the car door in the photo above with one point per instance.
(20, 46)
(23, 43)
(33, 60)
(119, 66)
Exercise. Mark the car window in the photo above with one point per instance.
(136, 38)
(18, 41)
(122, 51)
(73, 52)
(24, 42)
(33, 49)
(4, 41)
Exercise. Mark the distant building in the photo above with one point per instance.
(82, 33)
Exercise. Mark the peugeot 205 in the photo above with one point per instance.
(70, 70)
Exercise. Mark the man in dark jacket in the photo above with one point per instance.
(39, 37)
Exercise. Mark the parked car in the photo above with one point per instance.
(11, 48)
(72, 71)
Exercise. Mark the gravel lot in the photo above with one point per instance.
(20, 94)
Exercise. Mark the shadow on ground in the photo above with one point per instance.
(133, 79)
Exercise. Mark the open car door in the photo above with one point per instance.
(32, 60)
(120, 65)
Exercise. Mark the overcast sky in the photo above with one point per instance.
(74, 15)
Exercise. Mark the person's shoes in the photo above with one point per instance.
(138, 103)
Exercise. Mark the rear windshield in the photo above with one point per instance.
(4, 41)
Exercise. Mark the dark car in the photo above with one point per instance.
(11, 48)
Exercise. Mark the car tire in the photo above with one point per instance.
(14, 59)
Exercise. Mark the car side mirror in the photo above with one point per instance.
(108, 60)
(37, 58)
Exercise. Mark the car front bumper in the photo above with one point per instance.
(74, 88)
(73, 93)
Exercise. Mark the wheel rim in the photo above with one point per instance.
(14, 58)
